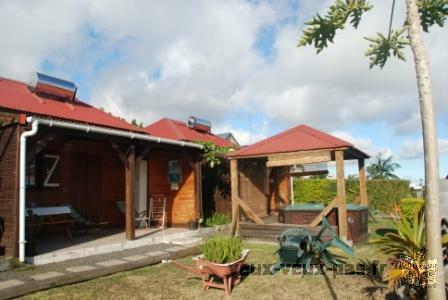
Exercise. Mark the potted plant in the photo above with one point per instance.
(193, 224)
(222, 257)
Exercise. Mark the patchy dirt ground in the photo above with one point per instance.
(166, 281)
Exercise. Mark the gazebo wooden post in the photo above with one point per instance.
(235, 195)
(130, 186)
(362, 182)
(342, 208)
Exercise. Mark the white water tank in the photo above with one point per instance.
(199, 124)
(52, 86)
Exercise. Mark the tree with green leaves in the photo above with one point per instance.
(421, 15)
(213, 154)
(382, 168)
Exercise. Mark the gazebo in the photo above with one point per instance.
(261, 168)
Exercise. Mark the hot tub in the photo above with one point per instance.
(304, 214)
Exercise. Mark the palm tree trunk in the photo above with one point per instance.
(432, 214)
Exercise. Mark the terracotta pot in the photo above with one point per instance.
(221, 270)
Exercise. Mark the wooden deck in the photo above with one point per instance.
(271, 229)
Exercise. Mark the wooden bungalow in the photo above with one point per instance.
(260, 174)
(56, 150)
(215, 195)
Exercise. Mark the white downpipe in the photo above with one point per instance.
(22, 187)
(86, 128)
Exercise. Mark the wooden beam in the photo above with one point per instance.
(143, 153)
(40, 145)
(340, 183)
(6, 121)
(229, 156)
(249, 212)
(234, 195)
(130, 188)
(325, 212)
(298, 158)
(310, 173)
(267, 181)
(362, 182)
(123, 158)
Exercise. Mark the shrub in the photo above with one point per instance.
(218, 219)
(384, 194)
(222, 250)
(407, 246)
(409, 205)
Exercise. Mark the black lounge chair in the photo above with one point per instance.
(81, 223)
(139, 216)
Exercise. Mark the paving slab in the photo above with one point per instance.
(187, 242)
(111, 262)
(135, 257)
(157, 253)
(175, 248)
(47, 275)
(10, 283)
(80, 269)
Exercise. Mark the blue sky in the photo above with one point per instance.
(226, 61)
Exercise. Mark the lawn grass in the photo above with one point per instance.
(166, 281)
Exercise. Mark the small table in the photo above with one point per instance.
(50, 215)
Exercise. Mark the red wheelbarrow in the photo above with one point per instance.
(211, 273)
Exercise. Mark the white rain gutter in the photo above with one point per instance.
(35, 122)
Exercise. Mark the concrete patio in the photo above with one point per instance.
(56, 248)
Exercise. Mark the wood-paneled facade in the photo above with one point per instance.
(91, 177)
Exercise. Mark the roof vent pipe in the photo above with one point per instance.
(52, 86)
(199, 124)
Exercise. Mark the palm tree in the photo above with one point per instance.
(383, 168)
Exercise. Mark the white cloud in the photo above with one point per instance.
(364, 144)
(147, 60)
(414, 149)
(244, 137)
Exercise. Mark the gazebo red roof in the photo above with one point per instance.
(178, 130)
(299, 138)
(17, 97)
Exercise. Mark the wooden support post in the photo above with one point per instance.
(342, 208)
(130, 184)
(362, 182)
(198, 186)
(267, 191)
(325, 212)
(249, 212)
(234, 195)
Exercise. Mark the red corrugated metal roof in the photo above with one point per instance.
(16, 96)
(299, 138)
(178, 130)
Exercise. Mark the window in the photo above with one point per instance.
(31, 174)
(174, 174)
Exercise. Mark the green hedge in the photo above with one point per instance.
(409, 205)
(383, 194)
